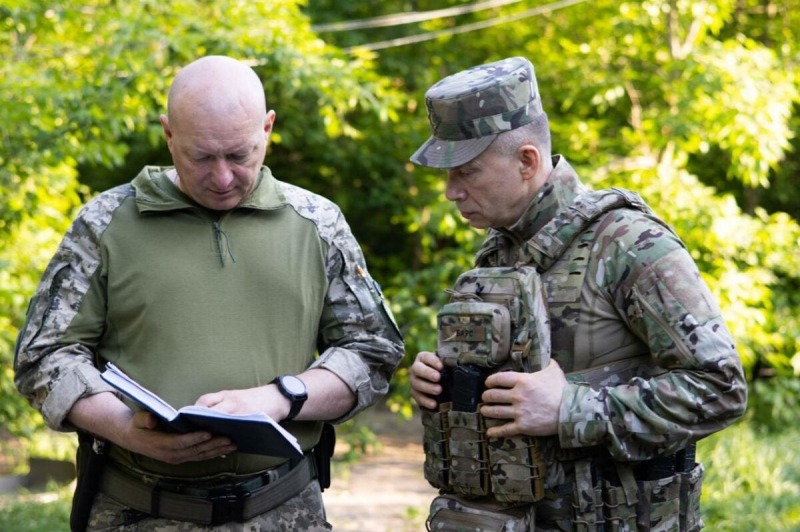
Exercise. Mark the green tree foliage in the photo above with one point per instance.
(691, 103)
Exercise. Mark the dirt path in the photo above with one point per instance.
(384, 491)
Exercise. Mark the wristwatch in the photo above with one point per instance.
(293, 389)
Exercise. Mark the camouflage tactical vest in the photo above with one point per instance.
(498, 320)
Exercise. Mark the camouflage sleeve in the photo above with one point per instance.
(358, 340)
(53, 362)
(697, 385)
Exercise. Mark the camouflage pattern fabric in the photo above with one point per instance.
(303, 512)
(496, 320)
(473, 332)
(435, 433)
(640, 296)
(469, 460)
(516, 467)
(450, 513)
(496, 316)
(659, 504)
(691, 491)
(469, 109)
(459, 458)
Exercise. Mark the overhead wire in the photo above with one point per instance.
(464, 28)
(400, 19)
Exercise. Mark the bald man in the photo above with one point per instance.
(211, 283)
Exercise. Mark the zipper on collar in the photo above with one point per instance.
(223, 242)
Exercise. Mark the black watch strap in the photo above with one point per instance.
(293, 389)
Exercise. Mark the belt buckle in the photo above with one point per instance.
(228, 507)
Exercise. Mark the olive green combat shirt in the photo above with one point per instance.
(189, 301)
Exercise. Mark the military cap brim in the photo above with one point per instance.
(436, 153)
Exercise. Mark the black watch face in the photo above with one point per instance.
(293, 385)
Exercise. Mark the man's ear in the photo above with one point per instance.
(167, 131)
(529, 160)
(269, 121)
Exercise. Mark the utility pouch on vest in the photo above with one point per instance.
(516, 467)
(469, 455)
(497, 316)
(435, 430)
(620, 514)
(659, 504)
(449, 513)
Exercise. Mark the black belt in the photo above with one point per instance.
(666, 466)
(207, 503)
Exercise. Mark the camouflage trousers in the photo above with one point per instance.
(305, 511)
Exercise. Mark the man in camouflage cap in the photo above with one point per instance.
(209, 282)
(642, 365)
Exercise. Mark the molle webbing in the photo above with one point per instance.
(460, 459)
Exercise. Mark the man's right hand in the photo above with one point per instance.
(424, 377)
(109, 418)
(173, 448)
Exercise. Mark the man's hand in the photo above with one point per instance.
(424, 377)
(145, 438)
(530, 401)
(109, 418)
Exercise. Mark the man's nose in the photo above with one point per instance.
(221, 174)
(453, 191)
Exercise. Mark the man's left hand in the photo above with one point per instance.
(530, 401)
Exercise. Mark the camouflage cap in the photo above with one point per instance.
(469, 109)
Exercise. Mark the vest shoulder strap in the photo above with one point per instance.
(547, 245)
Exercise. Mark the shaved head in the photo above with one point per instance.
(215, 87)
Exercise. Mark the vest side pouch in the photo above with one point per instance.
(436, 430)
(449, 513)
(691, 486)
(658, 509)
(516, 467)
(469, 464)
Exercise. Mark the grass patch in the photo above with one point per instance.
(752, 480)
(36, 511)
